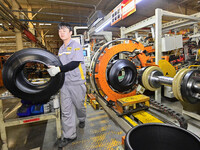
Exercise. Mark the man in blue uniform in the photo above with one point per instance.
(74, 89)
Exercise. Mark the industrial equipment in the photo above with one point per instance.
(86, 54)
(115, 79)
(185, 84)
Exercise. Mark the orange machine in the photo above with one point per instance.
(115, 83)
(114, 78)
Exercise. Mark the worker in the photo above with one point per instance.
(74, 89)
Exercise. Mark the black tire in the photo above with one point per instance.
(15, 81)
(159, 136)
(129, 79)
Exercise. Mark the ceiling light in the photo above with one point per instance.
(49, 35)
(7, 37)
(97, 21)
(103, 25)
(138, 1)
(109, 21)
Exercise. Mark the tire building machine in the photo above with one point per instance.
(115, 80)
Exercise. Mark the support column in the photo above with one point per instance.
(136, 36)
(42, 35)
(122, 32)
(18, 34)
(196, 29)
(30, 25)
(48, 46)
(158, 45)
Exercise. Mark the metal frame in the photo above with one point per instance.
(25, 120)
(159, 29)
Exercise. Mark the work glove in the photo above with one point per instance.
(53, 70)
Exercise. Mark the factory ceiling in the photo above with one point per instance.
(44, 15)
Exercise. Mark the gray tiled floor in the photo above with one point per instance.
(100, 131)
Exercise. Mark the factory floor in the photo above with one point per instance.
(99, 133)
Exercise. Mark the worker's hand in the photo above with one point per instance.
(53, 70)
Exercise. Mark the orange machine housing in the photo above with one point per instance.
(100, 70)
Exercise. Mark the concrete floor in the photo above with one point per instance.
(99, 133)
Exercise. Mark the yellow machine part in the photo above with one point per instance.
(130, 120)
(127, 101)
(194, 66)
(167, 68)
(145, 117)
(198, 55)
(95, 104)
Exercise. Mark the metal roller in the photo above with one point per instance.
(185, 84)
(190, 86)
(177, 83)
(148, 77)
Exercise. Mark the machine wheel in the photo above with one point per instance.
(145, 77)
(176, 84)
(188, 92)
(15, 81)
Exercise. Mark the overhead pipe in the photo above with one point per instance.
(13, 16)
(9, 20)
(20, 7)
(10, 17)
(74, 3)
(49, 13)
(27, 33)
(8, 4)
(57, 22)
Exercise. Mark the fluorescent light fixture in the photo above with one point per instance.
(138, 1)
(96, 21)
(47, 24)
(43, 24)
(109, 21)
(49, 35)
(7, 37)
(103, 25)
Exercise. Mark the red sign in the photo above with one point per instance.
(123, 10)
(128, 7)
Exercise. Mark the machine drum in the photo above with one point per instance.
(190, 88)
(16, 82)
(122, 75)
(160, 137)
(140, 73)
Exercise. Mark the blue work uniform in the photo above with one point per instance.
(73, 90)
